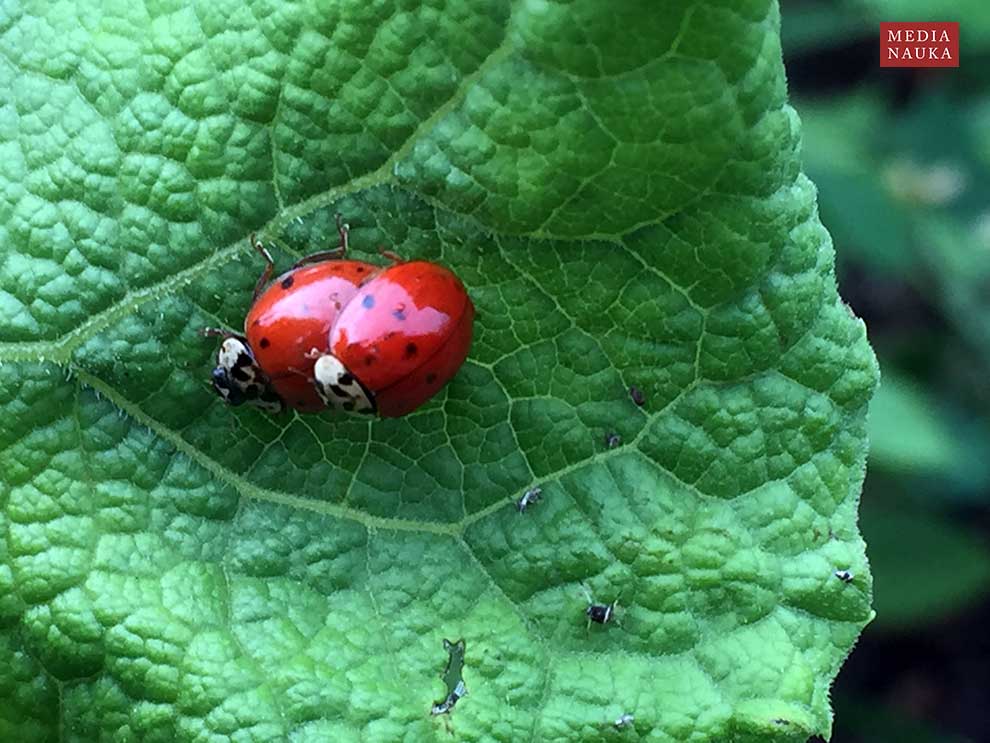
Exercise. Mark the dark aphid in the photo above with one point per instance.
(600, 613)
(846, 576)
(530, 497)
(612, 440)
(637, 395)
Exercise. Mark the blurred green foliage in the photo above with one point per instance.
(902, 162)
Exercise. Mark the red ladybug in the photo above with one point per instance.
(293, 317)
(347, 334)
(402, 337)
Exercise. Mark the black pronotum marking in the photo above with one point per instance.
(241, 374)
(368, 302)
(346, 379)
(287, 282)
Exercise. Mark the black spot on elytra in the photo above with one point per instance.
(359, 269)
(431, 378)
(346, 379)
(287, 282)
(410, 350)
(265, 343)
(300, 403)
(368, 302)
(369, 360)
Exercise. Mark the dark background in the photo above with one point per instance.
(901, 158)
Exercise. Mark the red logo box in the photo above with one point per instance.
(919, 44)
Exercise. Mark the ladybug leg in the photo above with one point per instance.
(266, 274)
(344, 230)
(323, 255)
(392, 256)
(222, 333)
(330, 255)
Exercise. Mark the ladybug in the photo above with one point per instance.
(347, 334)
(397, 342)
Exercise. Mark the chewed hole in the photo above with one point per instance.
(452, 678)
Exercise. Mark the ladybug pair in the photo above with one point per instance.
(346, 334)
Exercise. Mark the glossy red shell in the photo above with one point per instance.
(295, 315)
(405, 334)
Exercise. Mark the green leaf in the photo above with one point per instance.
(625, 209)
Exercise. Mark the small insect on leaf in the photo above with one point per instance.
(637, 395)
(531, 496)
(612, 440)
(596, 612)
(623, 720)
(846, 576)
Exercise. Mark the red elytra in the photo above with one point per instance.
(404, 334)
(293, 317)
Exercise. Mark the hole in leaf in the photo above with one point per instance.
(451, 678)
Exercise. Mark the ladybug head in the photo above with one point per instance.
(341, 389)
(238, 379)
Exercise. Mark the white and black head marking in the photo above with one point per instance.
(341, 389)
(238, 379)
